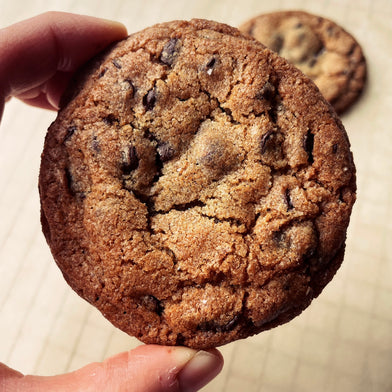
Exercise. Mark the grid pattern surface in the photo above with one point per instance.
(341, 343)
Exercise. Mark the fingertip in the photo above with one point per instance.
(200, 370)
(171, 369)
(57, 17)
(117, 26)
(34, 50)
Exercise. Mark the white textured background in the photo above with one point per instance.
(342, 343)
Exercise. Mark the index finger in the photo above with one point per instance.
(33, 51)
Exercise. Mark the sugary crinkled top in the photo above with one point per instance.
(195, 187)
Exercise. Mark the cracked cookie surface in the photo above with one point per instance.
(320, 48)
(195, 187)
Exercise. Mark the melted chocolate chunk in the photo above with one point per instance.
(129, 159)
(131, 87)
(330, 31)
(110, 119)
(308, 145)
(265, 139)
(102, 73)
(188, 206)
(69, 181)
(95, 145)
(312, 62)
(165, 151)
(210, 65)
(267, 92)
(116, 63)
(73, 186)
(170, 52)
(150, 99)
(277, 43)
(279, 237)
(180, 341)
(152, 304)
(70, 131)
(216, 327)
(287, 199)
(211, 158)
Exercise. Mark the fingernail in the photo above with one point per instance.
(117, 25)
(183, 355)
(201, 369)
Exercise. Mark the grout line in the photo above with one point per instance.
(29, 306)
(12, 283)
(229, 365)
(16, 211)
(107, 345)
(83, 325)
(51, 328)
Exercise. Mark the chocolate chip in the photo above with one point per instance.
(211, 157)
(352, 50)
(210, 65)
(180, 340)
(335, 148)
(281, 239)
(330, 31)
(110, 119)
(216, 327)
(308, 145)
(277, 43)
(129, 159)
(116, 63)
(228, 112)
(69, 181)
(150, 99)
(309, 256)
(95, 145)
(170, 51)
(251, 29)
(188, 206)
(102, 73)
(287, 199)
(264, 141)
(321, 50)
(273, 113)
(152, 304)
(70, 131)
(312, 62)
(131, 87)
(165, 151)
(267, 92)
(72, 185)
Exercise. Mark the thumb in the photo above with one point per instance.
(147, 368)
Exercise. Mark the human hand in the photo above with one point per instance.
(38, 57)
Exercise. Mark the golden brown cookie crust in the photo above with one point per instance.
(319, 47)
(195, 187)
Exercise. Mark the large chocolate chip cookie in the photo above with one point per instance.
(195, 187)
(319, 47)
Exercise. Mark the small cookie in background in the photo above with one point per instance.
(196, 187)
(320, 48)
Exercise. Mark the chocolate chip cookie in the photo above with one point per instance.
(320, 48)
(195, 187)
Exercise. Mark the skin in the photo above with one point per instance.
(38, 57)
